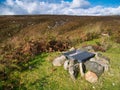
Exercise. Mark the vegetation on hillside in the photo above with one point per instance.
(28, 44)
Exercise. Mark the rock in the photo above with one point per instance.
(102, 63)
(30, 67)
(73, 68)
(91, 77)
(71, 49)
(71, 62)
(73, 71)
(92, 59)
(66, 65)
(94, 67)
(59, 61)
(99, 56)
(102, 60)
(106, 66)
(105, 59)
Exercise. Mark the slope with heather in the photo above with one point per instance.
(23, 28)
(29, 43)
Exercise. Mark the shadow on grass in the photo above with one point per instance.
(37, 60)
(14, 81)
(44, 83)
(41, 83)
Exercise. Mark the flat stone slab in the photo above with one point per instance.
(79, 55)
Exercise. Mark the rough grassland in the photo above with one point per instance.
(21, 73)
(44, 76)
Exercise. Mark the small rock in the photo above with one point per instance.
(99, 56)
(59, 61)
(91, 77)
(71, 63)
(113, 84)
(30, 67)
(93, 59)
(66, 65)
(71, 49)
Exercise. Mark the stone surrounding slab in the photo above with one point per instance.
(71, 49)
(102, 60)
(105, 59)
(66, 65)
(94, 67)
(73, 71)
(91, 77)
(105, 65)
(59, 61)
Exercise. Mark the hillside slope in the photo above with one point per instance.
(22, 28)
(27, 41)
